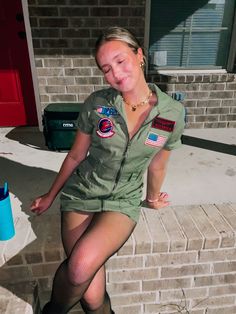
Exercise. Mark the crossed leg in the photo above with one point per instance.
(90, 244)
(73, 225)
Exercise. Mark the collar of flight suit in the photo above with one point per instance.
(162, 105)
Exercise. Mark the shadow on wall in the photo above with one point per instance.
(25, 183)
(23, 135)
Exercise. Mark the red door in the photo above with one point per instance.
(17, 102)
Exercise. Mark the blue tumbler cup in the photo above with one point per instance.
(7, 230)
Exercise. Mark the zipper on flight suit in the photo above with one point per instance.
(126, 149)
(124, 155)
(121, 165)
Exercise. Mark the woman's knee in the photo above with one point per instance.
(81, 269)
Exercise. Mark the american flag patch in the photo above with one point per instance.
(154, 139)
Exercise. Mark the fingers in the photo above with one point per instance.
(38, 211)
(163, 195)
(156, 205)
(164, 204)
(37, 206)
(161, 202)
(34, 204)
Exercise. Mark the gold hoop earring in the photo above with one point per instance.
(142, 65)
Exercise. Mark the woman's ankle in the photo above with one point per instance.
(50, 308)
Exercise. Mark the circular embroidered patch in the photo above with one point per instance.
(105, 128)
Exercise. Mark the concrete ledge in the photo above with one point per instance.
(180, 258)
(20, 298)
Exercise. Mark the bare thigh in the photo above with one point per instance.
(73, 225)
(107, 232)
(79, 229)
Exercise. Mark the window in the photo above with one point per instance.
(190, 34)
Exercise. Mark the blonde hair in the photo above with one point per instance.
(121, 34)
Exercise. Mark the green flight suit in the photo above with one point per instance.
(111, 177)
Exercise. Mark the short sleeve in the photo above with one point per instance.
(175, 139)
(84, 122)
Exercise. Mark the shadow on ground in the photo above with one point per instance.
(25, 183)
(24, 136)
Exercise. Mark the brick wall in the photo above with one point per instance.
(64, 34)
(210, 99)
(63, 38)
(180, 259)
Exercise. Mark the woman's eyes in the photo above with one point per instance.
(107, 70)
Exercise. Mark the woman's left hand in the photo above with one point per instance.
(160, 202)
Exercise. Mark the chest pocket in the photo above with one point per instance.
(108, 135)
(160, 131)
(156, 138)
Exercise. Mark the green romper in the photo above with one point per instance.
(111, 177)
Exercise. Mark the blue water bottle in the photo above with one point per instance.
(7, 230)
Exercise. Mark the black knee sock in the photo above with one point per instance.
(105, 308)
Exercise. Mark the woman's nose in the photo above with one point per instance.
(116, 73)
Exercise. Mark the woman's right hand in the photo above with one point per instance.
(41, 204)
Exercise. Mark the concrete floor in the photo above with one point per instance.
(194, 176)
(201, 176)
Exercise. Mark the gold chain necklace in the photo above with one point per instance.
(142, 103)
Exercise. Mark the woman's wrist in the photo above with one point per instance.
(51, 194)
(153, 199)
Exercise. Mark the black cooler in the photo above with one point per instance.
(60, 125)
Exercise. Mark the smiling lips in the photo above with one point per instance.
(120, 81)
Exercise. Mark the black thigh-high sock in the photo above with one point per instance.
(64, 295)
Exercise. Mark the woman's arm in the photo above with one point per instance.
(155, 177)
(77, 153)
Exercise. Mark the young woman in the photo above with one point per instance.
(123, 131)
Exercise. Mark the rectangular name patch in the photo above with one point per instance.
(163, 124)
(154, 139)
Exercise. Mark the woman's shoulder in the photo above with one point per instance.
(105, 93)
(166, 102)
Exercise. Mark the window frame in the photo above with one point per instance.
(231, 61)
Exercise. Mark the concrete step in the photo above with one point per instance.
(19, 298)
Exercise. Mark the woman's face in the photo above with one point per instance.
(120, 65)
